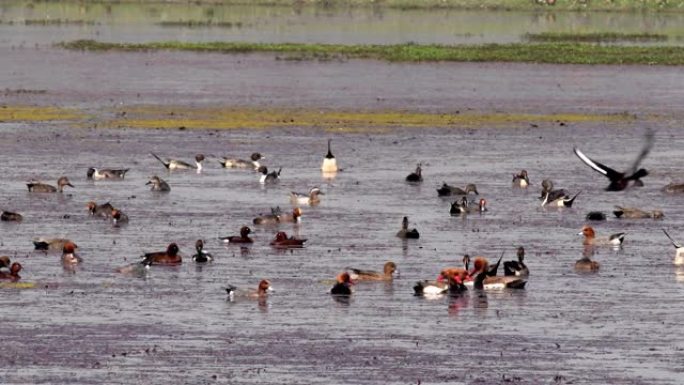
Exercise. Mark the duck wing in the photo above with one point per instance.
(165, 163)
(599, 167)
(650, 138)
(674, 243)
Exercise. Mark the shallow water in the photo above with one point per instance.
(131, 22)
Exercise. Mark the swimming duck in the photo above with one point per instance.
(13, 273)
(586, 265)
(104, 210)
(201, 256)
(5, 263)
(447, 190)
(553, 195)
(521, 179)
(329, 162)
(268, 219)
(168, 257)
(517, 268)
(620, 180)
(119, 218)
(295, 217)
(405, 232)
(343, 285)
(136, 269)
(69, 256)
(388, 271)
(430, 288)
(158, 184)
(590, 238)
(679, 250)
(312, 198)
(174, 164)
(261, 291)
(242, 238)
(8, 216)
(415, 176)
(54, 244)
(674, 188)
(106, 173)
(464, 207)
(634, 213)
(38, 187)
(240, 163)
(559, 199)
(479, 262)
(482, 279)
(266, 177)
(282, 241)
(595, 216)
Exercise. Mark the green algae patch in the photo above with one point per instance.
(546, 52)
(38, 114)
(166, 117)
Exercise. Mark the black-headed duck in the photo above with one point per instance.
(521, 179)
(201, 256)
(252, 163)
(261, 291)
(282, 241)
(447, 190)
(596, 216)
(168, 257)
(69, 256)
(158, 184)
(312, 198)
(416, 176)
(590, 238)
(620, 180)
(634, 213)
(38, 187)
(103, 210)
(405, 232)
(387, 274)
(174, 164)
(106, 173)
(679, 250)
(119, 218)
(517, 268)
(13, 273)
(242, 238)
(343, 285)
(8, 216)
(329, 162)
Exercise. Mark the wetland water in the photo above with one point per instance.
(620, 326)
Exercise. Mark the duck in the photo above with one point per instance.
(51, 244)
(104, 210)
(8, 216)
(517, 268)
(119, 218)
(242, 238)
(282, 241)
(591, 239)
(389, 269)
(13, 273)
(553, 194)
(135, 269)
(586, 265)
(674, 188)
(595, 216)
(158, 184)
(295, 217)
(312, 198)
(168, 257)
(634, 213)
(521, 179)
(477, 265)
(252, 163)
(620, 180)
(268, 219)
(343, 285)
(329, 162)
(416, 176)
(405, 233)
(558, 199)
(174, 164)
(69, 256)
(679, 250)
(464, 207)
(262, 291)
(38, 187)
(447, 190)
(5, 263)
(268, 178)
(483, 281)
(106, 173)
(201, 256)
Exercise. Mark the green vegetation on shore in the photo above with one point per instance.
(553, 53)
(595, 37)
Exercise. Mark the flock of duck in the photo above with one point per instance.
(451, 280)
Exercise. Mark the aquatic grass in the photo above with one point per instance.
(595, 37)
(552, 53)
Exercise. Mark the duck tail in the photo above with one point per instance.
(166, 164)
(570, 202)
(674, 243)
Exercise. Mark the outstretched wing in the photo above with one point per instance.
(602, 168)
(650, 138)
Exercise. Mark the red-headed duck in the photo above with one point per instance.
(158, 184)
(174, 164)
(168, 257)
(484, 281)
(13, 273)
(119, 218)
(104, 210)
(201, 256)
(282, 241)
(69, 256)
(405, 232)
(266, 177)
(679, 250)
(106, 173)
(591, 239)
(634, 213)
(521, 179)
(312, 198)
(252, 163)
(620, 180)
(7, 216)
(387, 274)
(517, 268)
(329, 162)
(242, 238)
(343, 285)
(261, 291)
(416, 176)
(38, 187)
(447, 190)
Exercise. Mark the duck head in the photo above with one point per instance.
(172, 250)
(245, 231)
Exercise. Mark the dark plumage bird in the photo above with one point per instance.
(405, 232)
(201, 256)
(343, 285)
(517, 268)
(8, 216)
(620, 180)
(416, 176)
